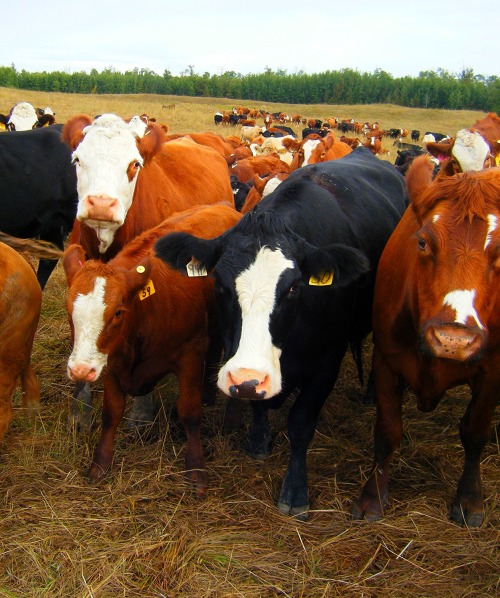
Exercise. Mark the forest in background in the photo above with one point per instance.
(431, 89)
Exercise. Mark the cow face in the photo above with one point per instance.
(98, 302)
(263, 274)
(108, 155)
(458, 259)
(23, 117)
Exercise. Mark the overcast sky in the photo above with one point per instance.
(400, 37)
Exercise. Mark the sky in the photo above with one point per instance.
(399, 37)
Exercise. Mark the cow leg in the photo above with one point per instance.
(81, 407)
(143, 411)
(467, 507)
(31, 388)
(388, 432)
(45, 269)
(302, 420)
(258, 443)
(189, 410)
(8, 381)
(113, 407)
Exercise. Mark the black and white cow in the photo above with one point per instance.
(294, 283)
(38, 196)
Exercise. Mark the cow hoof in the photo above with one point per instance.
(372, 511)
(258, 450)
(299, 513)
(198, 479)
(464, 516)
(96, 473)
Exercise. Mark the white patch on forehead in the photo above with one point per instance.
(435, 218)
(271, 185)
(492, 225)
(308, 147)
(463, 303)
(470, 150)
(88, 323)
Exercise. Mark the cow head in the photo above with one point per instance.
(458, 258)
(98, 300)
(108, 154)
(263, 273)
(22, 117)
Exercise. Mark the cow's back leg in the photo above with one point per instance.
(31, 387)
(387, 438)
(474, 434)
(8, 381)
(143, 411)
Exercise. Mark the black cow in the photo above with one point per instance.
(286, 130)
(217, 118)
(437, 136)
(415, 135)
(314, 130)
(294, 283)
(240, 191)
(38, 195)
(405, 157)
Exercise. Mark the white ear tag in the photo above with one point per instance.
(194, 268)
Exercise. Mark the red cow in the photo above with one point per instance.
(314, 148)
(19, 314)
(134, 320)
(261, 188)
(436, 322)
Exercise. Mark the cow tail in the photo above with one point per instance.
(356, 348)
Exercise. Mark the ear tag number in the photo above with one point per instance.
(194, 268)
(324, 280)
(147, 290)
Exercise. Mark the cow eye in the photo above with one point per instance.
(137, 164)
(422, 245)
(75, 160)
(118, 313)
(294, 289)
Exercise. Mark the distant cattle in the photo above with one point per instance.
(128, 184)
(19, 314)
(217, 118)
(415, 135)
(405, 158)
(431, 136)
(38, 195)
(24, 117)
(314, 149)
(436, 322)
(314, 130)
(134, 320)
(294, 285)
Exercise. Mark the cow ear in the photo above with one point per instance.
(440, 150)
(178, 250)
(139, 279)
(151, 142)
(418, 181)
(334, 265)
(72, 132)
(73, 259)
(328, 141)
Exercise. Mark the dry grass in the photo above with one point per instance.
(141, 532)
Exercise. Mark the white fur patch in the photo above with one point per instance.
(88, 323)
(271, 185)
(470, 149)
(309, 146)
(256, 291)
(492, 225)
(23, 116)
(463, 303)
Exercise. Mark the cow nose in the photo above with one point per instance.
(252, 387)
(101, 207)
(82, 373)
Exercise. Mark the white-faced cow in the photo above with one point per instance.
(134, 320)
(294, 285)
(38, 194)
(128, 183)
(436, 322)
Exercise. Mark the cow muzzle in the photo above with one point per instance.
(102, 208)
(247, 384)
(454, 341)
(82, 373)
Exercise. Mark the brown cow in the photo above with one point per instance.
(134, 320)
(436, 322)
(314, 148)
(19, 314)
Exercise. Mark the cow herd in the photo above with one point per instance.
(168, 274)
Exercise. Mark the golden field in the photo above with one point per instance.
(141, 532)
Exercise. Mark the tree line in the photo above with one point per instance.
(431, 89)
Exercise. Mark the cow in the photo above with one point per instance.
(19, 314)
(466, 151)
(405, 158)
(261, 187)
(128, 184)
(314, 149)
(415, 135)
(218, 118)
(23, 117)
(314, 130)
(436, 322)
(489, 128)
(431, 136)
(134, 320)
(294, 285)
(38, 195)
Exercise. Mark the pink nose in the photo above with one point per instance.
(248, 384)
(101, 207)
(82, 373)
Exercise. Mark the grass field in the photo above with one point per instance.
(140, 532)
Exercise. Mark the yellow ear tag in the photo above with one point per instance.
(140, 269)
(497, 159)
(147, 290)
(194, 268)
(324, 280)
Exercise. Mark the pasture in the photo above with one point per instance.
(141, 531)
